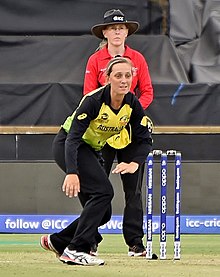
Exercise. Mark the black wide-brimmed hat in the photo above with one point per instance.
(112, 17)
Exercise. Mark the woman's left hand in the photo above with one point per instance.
(124, 168)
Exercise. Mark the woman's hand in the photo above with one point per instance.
(124, 168)
(71, 185)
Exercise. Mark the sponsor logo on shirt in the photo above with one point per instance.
(103, 118)
(124, 120)
(82, 116)
(134, 70)
(109, 128)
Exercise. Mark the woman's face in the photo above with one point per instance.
(116, 34)
(120, 78)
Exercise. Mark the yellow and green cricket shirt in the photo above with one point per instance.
(94, 122)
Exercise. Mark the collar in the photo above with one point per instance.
(104, 54)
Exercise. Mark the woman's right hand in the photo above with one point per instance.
(71, 185)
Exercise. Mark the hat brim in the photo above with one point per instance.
(132, 26)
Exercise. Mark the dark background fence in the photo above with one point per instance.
(44, 47)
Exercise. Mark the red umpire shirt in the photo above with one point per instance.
(141, 84)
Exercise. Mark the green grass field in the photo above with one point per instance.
(21, 255)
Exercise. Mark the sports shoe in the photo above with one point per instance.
(73, 257)
(46, 244)
(94, 250)
(136, 251)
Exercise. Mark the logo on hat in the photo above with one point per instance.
(118, 18)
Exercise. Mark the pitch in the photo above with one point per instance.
(21, 255)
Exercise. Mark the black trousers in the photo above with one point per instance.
(95, 195)
(132, 186)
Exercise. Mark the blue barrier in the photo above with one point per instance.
(39, 224)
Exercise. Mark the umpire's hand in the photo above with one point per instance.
(124, 168)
